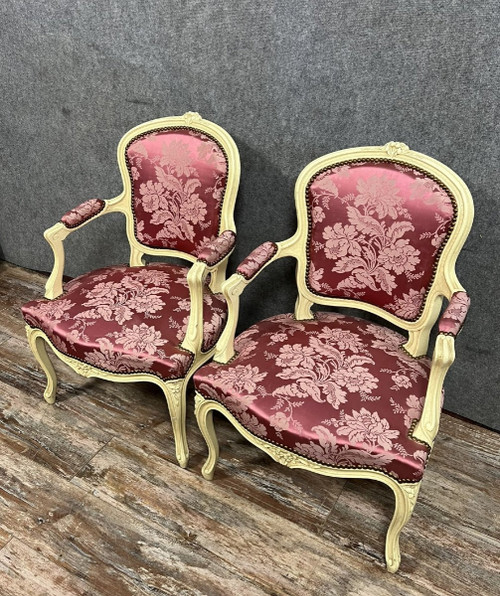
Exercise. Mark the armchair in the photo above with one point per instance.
(379, 230)
(155, 322)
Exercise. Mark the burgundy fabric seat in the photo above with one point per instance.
(127, 319)
(338, 390)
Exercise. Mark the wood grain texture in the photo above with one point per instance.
(23, 570)
(93, 503)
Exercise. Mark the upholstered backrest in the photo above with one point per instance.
(376, 231)
(377, 227)
(178, 177)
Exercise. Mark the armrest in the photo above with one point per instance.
(453, 317)
(215, 251)
(256, 260)
(210, 260)
(81, 214)
(71, 221)
(246, 272)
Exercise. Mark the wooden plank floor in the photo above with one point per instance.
(93, 503)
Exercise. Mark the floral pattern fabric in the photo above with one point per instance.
(338, 390)
(376, 231)
(178, 180)
(217, 249)
(82, 213)
(127, 319)
(454, 315)
(259, 256)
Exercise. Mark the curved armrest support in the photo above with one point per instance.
(211, 259)
(449, 326)
(71, 221)
(453, 317)
(257, 260)
(444, 354)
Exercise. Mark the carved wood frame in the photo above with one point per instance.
(444, 284)
(175, 390)
(405, 493)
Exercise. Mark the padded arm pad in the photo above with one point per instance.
(259, 256)
(82, 213)
(215, 251)
(453, 317)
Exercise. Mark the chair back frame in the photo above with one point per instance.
(445, 281)
(122, 203)
(195, 122)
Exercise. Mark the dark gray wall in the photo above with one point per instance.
(290, 80)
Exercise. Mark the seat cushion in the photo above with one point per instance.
(127, 319)
(337, 390)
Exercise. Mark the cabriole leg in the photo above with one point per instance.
(204, 416)
(405, 499)
(175, 394)
(39, 349)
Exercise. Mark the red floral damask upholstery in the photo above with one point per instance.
(127, 319)
(178, 178)
(377, 229)
(257, 259)
(338, 390)
(217, 249)
(75, 217)
(453, 317)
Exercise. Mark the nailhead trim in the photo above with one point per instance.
(343, 467)
(164, 129)
(439, 251)
(125, 374)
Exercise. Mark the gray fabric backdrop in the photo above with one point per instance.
(290, 80)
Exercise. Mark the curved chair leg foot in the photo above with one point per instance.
(175, 394)
(39, 349)
(204, 417)
(405, 499)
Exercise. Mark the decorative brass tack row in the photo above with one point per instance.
(438, 252)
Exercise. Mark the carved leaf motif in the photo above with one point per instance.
(285, 458)
(411, 491)
(394, 148)
(81, 368)
(191, 117)
(175, 392)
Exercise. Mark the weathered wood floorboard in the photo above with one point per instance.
(25, 571)
(289, 559)
(115, 552)
(93, 503)
(293, 494)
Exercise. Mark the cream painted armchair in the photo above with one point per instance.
(156, 322)
(379, 230)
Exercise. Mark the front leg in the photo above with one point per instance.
(405, 499)
(204, 416)
(175, 394)
(39, 349)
